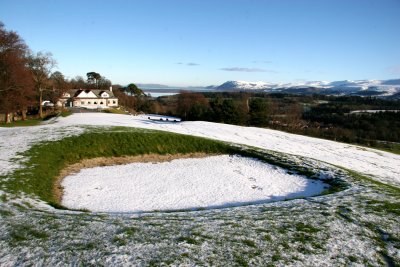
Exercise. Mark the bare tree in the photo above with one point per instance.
(10, 41)
(57, 80)
(41, 65)
(190, 102)
(16, 84)
(103, 83)
(77, 83)
(59, 86)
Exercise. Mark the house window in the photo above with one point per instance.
(101, 103)
(89, 102)
(82, 102)
(113, 101)
(95, 102)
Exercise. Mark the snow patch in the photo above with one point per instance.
(212, 182)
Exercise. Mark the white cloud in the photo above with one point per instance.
(190, 64)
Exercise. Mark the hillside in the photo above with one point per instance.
(378, 88)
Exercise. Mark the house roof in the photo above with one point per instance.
(97, 92)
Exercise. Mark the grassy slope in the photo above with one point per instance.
(47, 159)
(290, 234)
(392, 148)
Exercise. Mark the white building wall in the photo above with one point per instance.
(96, 103)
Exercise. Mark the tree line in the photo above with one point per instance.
(27, 78)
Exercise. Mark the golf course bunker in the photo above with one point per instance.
(190, 183)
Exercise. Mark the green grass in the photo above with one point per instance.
(240, 260)
(353, 258)
(306, 228)
(6, 213)
(65, 113)
(114, 111)
(249, 243)
(276, 257)
(130, 231)
(47, 159)
(384, 206)
(119, 241)
(387, 187)
(388, 147)
(25, 123)
(21, 233)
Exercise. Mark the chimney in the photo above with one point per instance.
(111, 88)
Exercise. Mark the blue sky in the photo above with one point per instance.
(207, 42)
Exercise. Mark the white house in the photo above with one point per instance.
(89, 98)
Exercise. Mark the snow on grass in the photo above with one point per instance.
(358, 226)
(212, 182)
(380, 165)
(18, 139)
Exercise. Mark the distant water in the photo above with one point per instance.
(157, 92)
(153, 94)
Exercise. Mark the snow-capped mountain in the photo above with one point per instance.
(244, 85)
(379, 88)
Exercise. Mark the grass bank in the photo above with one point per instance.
(113, 111)
(32, 122)
(46, 160)
(37, 121)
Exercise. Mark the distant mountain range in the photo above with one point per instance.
(156, 86)
(378, 88)
(389, 89)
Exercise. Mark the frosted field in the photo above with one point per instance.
(359, 226)
(381, 165)
(212, 182)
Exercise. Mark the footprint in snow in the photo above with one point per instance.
(255, 187)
